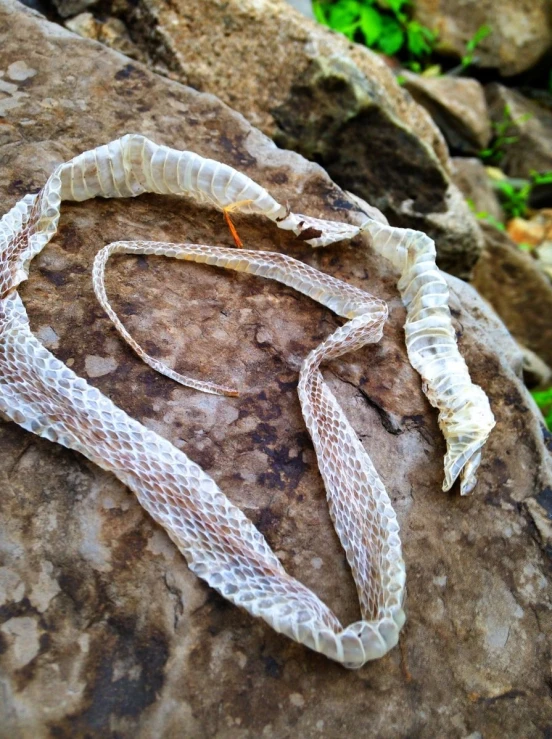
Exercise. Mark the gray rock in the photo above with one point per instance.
(518, 290)
(69, 8)
(458, 107)
(470, 176)
(104, 631)
(110, 31)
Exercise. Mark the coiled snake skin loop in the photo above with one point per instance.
(219, 543)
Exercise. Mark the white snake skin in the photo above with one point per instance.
(219, 543)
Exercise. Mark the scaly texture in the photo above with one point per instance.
(220, 544)
(465, 416)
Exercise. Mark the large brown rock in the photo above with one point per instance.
(104, 631)
(311, 90)
(520, 30)
(518, 290)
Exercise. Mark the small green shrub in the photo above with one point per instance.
(483, 215)
(481, 33)
(543, 399)
(514, 196)
(496, 151)
(383, 27)
(542, 178)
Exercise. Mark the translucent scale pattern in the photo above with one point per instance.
(220, 544)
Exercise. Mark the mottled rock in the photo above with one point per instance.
(458, 107)
(104, 631)
(110, 31)
(470, 176)
(536, 373)
(520, 30)
(543, 252)
(530, 123)
(518, 290)
(311, 90)
(68, 8)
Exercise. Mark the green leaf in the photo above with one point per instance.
(320, 13)
(392, 36)
(345, 17)
(543, 178)
(397, 5)
(344, 14)
(370, 25)
(481, 33)
(419, 38)
(543, 398)
(486, 153)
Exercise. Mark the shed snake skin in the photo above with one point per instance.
(220, 544)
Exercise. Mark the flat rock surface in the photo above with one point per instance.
(104, 632)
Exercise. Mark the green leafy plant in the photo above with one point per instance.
(542, 178)
(514, 198)
(502, 138)
(515, 194)
(543, 398)
(483, 215)
(383, 27)
(481, 34)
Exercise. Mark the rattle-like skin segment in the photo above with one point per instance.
(465, 415)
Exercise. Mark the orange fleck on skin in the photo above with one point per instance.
(237, 240)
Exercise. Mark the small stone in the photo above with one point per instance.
(20, 71)
(23, 640)
(297, 700)
(522, 231)
(99, 366)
